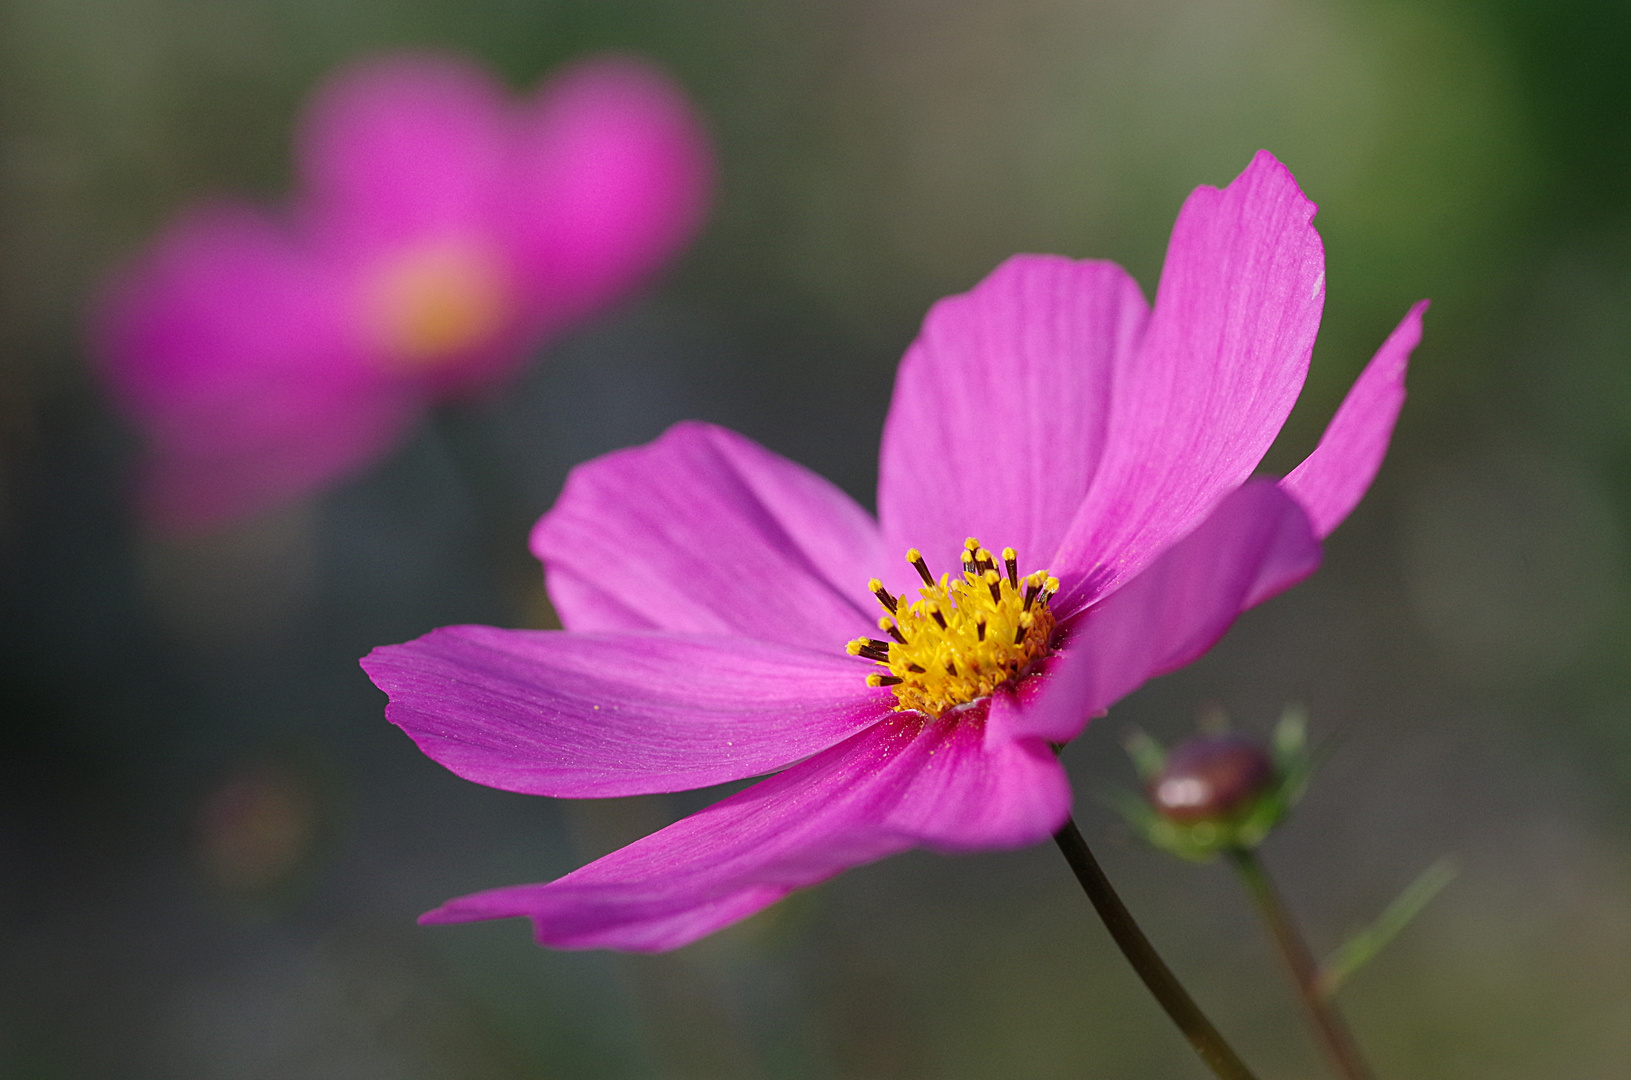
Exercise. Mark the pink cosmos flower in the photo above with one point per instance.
(710, 587)
(440, 232)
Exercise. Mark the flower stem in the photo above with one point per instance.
(1333, 1034)
(477, 460)
(1168, 991)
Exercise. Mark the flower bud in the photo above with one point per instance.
(1212, 777)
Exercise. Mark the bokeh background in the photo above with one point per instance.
(213, 847)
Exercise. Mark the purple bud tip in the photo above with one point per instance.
(1209, 777)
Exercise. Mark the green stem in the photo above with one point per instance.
(1169, 992)
(1333, 1034)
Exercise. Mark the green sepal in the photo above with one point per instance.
(1149, 757)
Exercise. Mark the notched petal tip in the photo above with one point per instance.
(997, 420)
(1267, 179)
(1219, 367)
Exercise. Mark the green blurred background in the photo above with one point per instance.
(212, 846)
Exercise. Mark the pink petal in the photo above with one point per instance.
(978, 793)
(400, 147)
(1257, 542)
(183, 492)
(614, 176)
(223, 343)
(590, 715)
(901, 783)
(1220, 366)
(705, 531)
(1331, 481)
(1000, 406)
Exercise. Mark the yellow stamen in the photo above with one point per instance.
(965, 636)
(433, 301)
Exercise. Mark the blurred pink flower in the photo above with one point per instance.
(439, 233)
(709, 586)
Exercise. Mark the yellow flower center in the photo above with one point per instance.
(430, 303)
(965, 637)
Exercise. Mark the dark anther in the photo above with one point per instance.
(923, 570)
(916, 668)
(995, 585)
(894, 632)
(888, 680)
(1013, 571)
(884, 598)
(951, 669)
(1019, 633)
(1030, 594)
(939, 618)
(875, 651)
(979, 628)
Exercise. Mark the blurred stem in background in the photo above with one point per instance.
(504, 513)
(468, 440)
(1219, 1056)
(1333, 1034)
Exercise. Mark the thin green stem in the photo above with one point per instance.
(1333, 1034)
(1162, 983)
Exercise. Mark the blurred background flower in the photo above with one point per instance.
(438, 235)
(1466, 647)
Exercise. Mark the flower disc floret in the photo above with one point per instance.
(433, 302)
(964, 637)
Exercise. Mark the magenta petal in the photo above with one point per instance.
(588, 715)
(223, 342)
(404, 147)
(705, 531)
(614, 172)
(1221, 364)
(976, 792)
(898, 784)
(1000, 405)
(405, 160)
(182, 492)
(1257, 542)
(1331, 481)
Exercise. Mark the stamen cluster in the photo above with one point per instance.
(965, 637)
